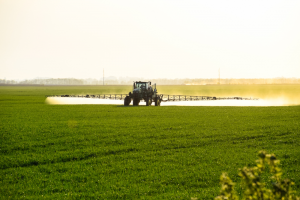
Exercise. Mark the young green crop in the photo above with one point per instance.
(117, 152)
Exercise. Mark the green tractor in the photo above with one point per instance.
(143, 91)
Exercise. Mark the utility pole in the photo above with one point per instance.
(103, 76)
(219, 77)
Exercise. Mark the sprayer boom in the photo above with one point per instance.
(144, 91)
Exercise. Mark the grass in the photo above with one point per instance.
(116, 152)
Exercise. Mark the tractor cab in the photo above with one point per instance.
(141, 85)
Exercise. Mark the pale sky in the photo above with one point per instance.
(151, 39)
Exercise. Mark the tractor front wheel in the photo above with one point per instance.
(148, 101)
(135, 102)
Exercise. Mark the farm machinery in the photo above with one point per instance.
(144, 91)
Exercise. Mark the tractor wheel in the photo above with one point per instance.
(127, 101)
(148, 101)
(157, 101)
(135, 102)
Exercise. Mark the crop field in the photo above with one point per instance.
(117, 152)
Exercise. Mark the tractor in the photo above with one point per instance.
(143, 91)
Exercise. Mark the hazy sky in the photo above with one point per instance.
(151, 39)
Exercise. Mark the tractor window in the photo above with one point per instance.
(139, 85)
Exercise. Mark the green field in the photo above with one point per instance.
(117, 152)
